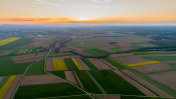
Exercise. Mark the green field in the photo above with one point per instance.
(17, 43)
(8, 67)
(59, 74)
(46, 90)
(161, 58)
(144, 43)
(3, 81)
(37, 68)
(89, 64)
(60, 54)
(114, 84)
(87, 82)
(150, 73)
(77, 44)
(117, 49)
(172, 64)
(116, 63)
(152, 53)
(70, 64)
(96, 52)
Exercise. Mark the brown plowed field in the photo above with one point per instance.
(6, 53)
(152, 67)
(99, 64)
(11, 89)
(1, 78)
(20, 52)
(131, 59)
(29, 60)
(49, 65)
(101, 96)
(166, 78)
(81, 63)
(109, 64)
(121, 54)
(29, 56)
(147, 84)
(69, 76)
(41, 79)
(135, 84)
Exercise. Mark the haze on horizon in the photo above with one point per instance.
(87, 11)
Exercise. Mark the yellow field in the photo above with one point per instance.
(8, 40)
(25, 51)
(7, 85)
(59, 64)
(144, 63)
(77, 65)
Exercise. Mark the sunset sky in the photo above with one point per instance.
(87, 11)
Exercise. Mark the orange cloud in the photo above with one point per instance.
(77, 21)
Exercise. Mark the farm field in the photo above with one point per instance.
(8, 85)
(87, 63)
(47, 90)
(8, 40)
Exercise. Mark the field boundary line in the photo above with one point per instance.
(22, 77)
(64, 79)
(62, 96)
(95, 81)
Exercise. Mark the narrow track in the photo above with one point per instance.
(64, 79)
(21, 79)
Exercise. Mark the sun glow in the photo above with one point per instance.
(84, 19)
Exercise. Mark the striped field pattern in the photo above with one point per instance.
(76, 63)
(144, 63)
(8, 40)
(6, 86)
(59, 64)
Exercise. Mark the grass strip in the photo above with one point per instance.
(89, 64)
(155, 83)
(70, 64)
(97, 84)
(116, 63)
(59, 74)
(87, 82)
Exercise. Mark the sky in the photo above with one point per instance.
(87, 11)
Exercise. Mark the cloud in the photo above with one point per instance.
(35, 20)
(48, 3)
(102, 1)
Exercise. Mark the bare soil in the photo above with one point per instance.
(29, 60)
(11, 89)
(99, 64)
(131, 59)
(1, 78)
(49, 65)
(41, 79)
(101, 96)
(146, 84)
(121, 54)
(135, 84)
(81, 63)
(69, 76)
(6, 53)
(108, 64)
(152, 67)
(29, 56)
(166, 78)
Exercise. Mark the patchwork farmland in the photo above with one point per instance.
(108, 64)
